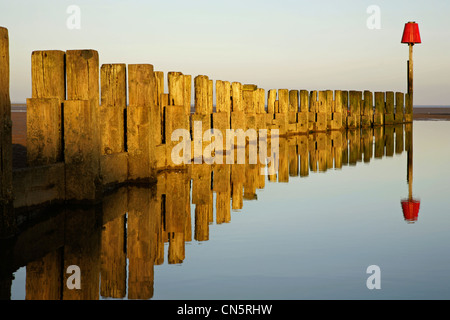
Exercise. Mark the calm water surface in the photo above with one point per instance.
(310, 238)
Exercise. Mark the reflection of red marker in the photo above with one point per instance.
(411, 210)
(410, 206)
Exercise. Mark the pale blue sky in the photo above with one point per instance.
(313, 45)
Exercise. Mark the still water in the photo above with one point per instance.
(311, 232)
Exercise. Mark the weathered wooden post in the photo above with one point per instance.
(249, 97)
(142, 117)
(271, 98)
(7, 221)
(221, 119)
(81, 126)
(238, 117)
(281, 115)
(410, 36)
(302, 116)
(399, 107)
(336, 111)
(378, 117)
(261, 113)
(367, 110)
(44, 121)
(354, 118)
(293, 110)
(389, 108)
(113, 107)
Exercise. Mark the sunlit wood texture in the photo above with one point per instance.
(48, 74)
(142, 119)
(44, 131)
(378, 117)
(112, 109)
(367, 109)
(81, 155)
(389, 108)
(399, 107)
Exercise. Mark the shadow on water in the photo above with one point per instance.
(118, 243)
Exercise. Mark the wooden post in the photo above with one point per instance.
(113, 108)
(399, 107)
(389, 108)
(249, 105)
(354, 118)
(7, 221)
(302, 116)
(81, 151)
(367, 109)
(142, 119)
(378, 117)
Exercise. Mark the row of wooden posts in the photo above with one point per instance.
(101, 126)
(104, 139)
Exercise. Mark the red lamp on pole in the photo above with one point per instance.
(411, 36)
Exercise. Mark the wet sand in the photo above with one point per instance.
(19, 131)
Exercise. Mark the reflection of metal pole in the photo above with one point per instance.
(410, 170)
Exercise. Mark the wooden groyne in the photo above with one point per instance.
(91, 128)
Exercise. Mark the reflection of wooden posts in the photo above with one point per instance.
(399, 107)
(293, 157)
(399, 145)
(237, 184)
(222, 188)
(378, 117)
(389, 140)
(336, 148)
(43, 277)
(389, 108)
(82, 248)
(367, 110)
(302, 144)
(141, 242)
(202, 197)
(323, 151)
(176, 215)
(378, 133)
(113, 258)
(313, 152)
(354, 142)
(283, 169)
(367, 143)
